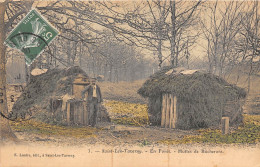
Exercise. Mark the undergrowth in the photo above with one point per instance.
(136, 114)
(247, 133)
(40, 128)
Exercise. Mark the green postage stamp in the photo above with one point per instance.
(31, 35)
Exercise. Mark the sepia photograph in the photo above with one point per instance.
(129, 83)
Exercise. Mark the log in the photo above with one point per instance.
(85, 114)
(68, 113)
(225, 125)
(75, 109)
(163, 110)
(78, 113)
(168, 105)
(81, 116)
(171, 112)
(175, 115)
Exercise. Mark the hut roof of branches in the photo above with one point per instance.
(189, 84)
(54, 83)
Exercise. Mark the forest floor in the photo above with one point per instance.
(129, 125)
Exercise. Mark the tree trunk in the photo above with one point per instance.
(173, 32)
(159, 47)
(93, 67)
(110, 73)
(80, 54)
(5, 130)
(160, 53)
(105, 72)
(74, 54)
(68, 52)
(209, 58)
(125, 73)
(116, 75)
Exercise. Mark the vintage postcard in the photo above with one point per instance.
(156, 83)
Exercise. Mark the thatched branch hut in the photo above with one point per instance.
(55, 97)
(201, 99)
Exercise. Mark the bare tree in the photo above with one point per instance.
(149, 24)
(115, 60)
(221, 29)
(5, 130)
(248, 46)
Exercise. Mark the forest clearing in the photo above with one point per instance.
(131, 126)
(129, 83)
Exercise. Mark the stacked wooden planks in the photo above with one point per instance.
(169, 111)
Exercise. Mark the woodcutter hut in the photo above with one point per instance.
(187, 99)
(55, 97)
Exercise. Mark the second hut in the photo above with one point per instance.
(187, 99)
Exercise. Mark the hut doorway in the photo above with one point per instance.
(169, 111)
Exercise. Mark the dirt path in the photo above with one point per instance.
(121, 135)
(139, 135)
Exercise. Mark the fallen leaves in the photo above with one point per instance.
(47, 129)
(127, 113)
